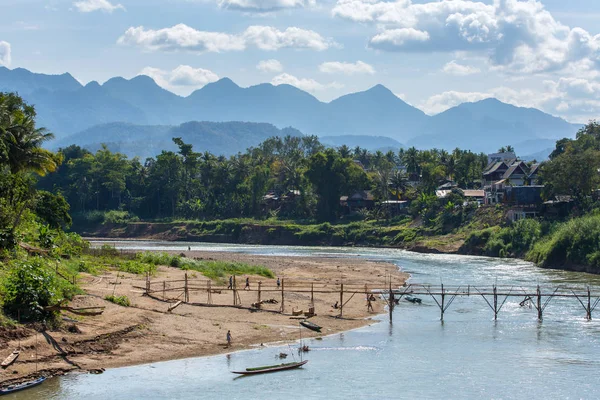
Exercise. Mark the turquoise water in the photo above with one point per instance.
(468, 356)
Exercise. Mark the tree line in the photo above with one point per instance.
(199, 185)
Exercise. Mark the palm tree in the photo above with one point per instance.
(22, 141)
(398, 183)
(344, 151)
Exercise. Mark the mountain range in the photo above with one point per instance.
(67, 108)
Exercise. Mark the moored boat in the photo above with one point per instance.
(311, 326)
(22, 386)
(412, 299)
(271, 368)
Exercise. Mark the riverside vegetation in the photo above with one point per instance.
(188, 195)
(202, 196)
(39, 259)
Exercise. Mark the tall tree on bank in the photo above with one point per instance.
(333, 176)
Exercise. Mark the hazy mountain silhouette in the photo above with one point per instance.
(66, 107)
(222, 138)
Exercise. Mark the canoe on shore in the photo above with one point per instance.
(22, 386)
(311, 326)
(271, 368)
(10, 359)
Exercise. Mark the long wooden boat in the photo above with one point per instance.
(22, 386)
(311, 326)
(271, 368)
(10, 359)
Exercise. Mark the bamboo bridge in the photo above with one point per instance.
(178, 292)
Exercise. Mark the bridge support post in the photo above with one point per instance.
(442, 306)
(539, 303)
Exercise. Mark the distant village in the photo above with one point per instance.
(506, 181)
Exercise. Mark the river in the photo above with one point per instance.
(468, 356)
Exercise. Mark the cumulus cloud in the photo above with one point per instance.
(182, 80)
(335, 67)
(269, 66)
(454, 68)
(516, 35)
(264, 5)
(87, 6)
(5, 52)
(183, 37)
(310, 85)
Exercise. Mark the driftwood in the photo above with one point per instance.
(10, 359)
(84, 311)
(174, 306)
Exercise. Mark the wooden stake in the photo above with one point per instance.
(341, 300)
(164, 289)
(282, 295)
(186, 295)
(589, 304)
(495, 304)
(259, 291)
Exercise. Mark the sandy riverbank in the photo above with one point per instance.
(146, 332)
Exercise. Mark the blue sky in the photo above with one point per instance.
(432, 54)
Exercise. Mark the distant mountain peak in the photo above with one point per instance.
(224, 83)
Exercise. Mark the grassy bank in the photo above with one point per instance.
(29, 284)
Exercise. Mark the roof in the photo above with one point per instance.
(447, 185)
(494, 167)
(511, 170)
(394, 202)
(473, 193)
(534, 169)
(362, 195)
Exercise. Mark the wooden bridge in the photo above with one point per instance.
(495, 296)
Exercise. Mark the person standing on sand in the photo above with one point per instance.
(247, 283)
(278, 283)
(230, 283)
(228, 338)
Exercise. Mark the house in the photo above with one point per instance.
(524, 201)
(494, 172)
(270, 201)
(395, 207)
(517, 173)
(472, 195)
(359, 200)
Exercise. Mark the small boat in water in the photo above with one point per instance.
(22, 386)
(412, 299)
(311, 326)
(271, 368)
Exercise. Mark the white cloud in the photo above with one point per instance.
(182, 80)
(310, 85)
(454, 68)
(264, 5)
(443, 101)
(87, 6)
(514, 35)
(183, 37)
(335, 67)
(269, 66)
(5, 54)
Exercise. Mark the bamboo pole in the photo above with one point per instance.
(539, 303)
(341, 300)
(282, 295)
(186, 292)
(589, 305)
(442, 306)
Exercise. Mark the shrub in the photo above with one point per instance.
(29, 287)
(119, 217)
(120, 300)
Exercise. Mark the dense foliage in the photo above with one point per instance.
(193, 185)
